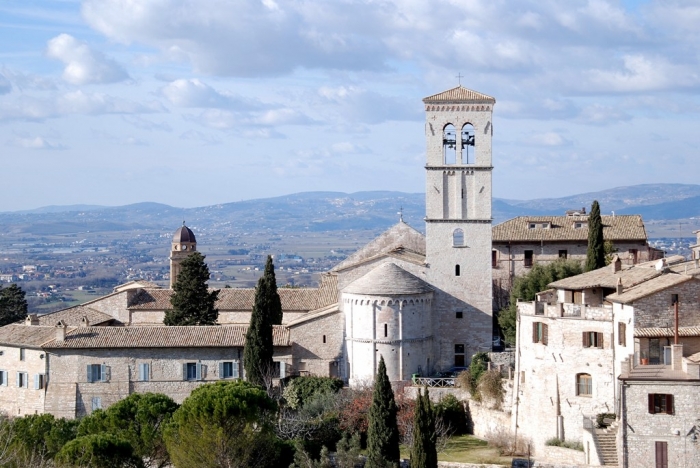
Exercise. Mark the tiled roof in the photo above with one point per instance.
(649, 287)
(458, 94)
(657, 332)
(135, 284)
(388, 279)
(615, 228)
(73, 316)
(28, 336)
(605, 277)
(162, 337)
(395, 241)
(293, 299)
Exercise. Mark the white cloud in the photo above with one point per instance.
(5, 85)
(548, 139)
(360, 105)
(195, 93)
(36, 143)
(642, 73)
(83, 65)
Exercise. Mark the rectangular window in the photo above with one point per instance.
(98, 373)
(144, 372)
(661, 450)
(96, 403)
(539, 333)
(622, 333)
(528, 258)
(38, 381)
(192, 371)
(584, 385)
(386, 330)
(674, 299)
(228, 370)
(660, 403)
(21, 354)
(22, 380)
(633, 255)
(592, 340)
(459, 314)
(563, 253)
(3, 378)
(324, 339)
(459, 355)
(494, 259)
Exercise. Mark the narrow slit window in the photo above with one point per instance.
(386, 330)
(457, 270)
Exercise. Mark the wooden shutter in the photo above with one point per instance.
(89, 373)
(221, 370)
(4, 376)
(545, 333)
(586, 339)
(651, 403)
(19, 379)
(661, 455)
(184, 371)
(199, 371)
(599, 340)
(669, 404)
(104, 373)
(236, 373)
(534, 332)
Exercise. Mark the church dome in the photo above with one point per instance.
(388, 280)
(184, 234)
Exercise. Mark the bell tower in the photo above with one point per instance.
(184, 243)
(458, 221)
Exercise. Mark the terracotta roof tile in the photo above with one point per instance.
(459, 94)
(615, 228)
(388, 279)
(656, 332)
(28, 336)
(605, 277)
(649, 287)
(73, 316)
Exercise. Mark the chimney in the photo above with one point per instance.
(84, 322)
(619, 286)
(61, 331)
(583, 210)
(32, 319)
(677, 357)
(616, 264)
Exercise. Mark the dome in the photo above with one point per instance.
(388, 280)
(184, 234)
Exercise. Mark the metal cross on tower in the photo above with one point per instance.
(459, 78)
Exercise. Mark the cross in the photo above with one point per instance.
(400, 213)
(459, 78)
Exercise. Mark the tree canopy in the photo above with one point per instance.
(98, 451)
(193, 303)
(383, 431)
(267, 311)
(527, 286)
(595, 255)
(13, 305)
(424, 451)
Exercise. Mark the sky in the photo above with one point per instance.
(200, 102)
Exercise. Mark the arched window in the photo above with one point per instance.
(457, 270)
(584, 385)
(457, 238)
(449, 144)
(467, 141)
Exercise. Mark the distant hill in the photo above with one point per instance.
(337, 211)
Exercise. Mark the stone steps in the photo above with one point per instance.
(607, 445)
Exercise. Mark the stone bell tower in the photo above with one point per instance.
(458, 221)
(184, 243)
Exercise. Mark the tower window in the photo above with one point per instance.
(324, 338)
(459, 314)
(386, 330)
(467, 141)
(458, 238)
(457, 270)
(449, 144)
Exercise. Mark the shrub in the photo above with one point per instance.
(98, 450)
(490, 385)
(301, 390)
(557, 442)
(452, 414)
(601, 417)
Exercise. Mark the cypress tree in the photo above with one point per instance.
(424, 452)
(193, 303)
(267, 310)
(595, 256)
(383, 430)
(13, 305)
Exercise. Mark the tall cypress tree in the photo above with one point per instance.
(595, 256)
(383, 431)
(267, 310)
(13, 305)
(424, 452)
(193, 303)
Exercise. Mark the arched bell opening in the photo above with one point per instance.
(468, 155)
(449, 144)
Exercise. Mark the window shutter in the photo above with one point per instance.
(144, 372)
(221, 370)
(651, 403)
(5, 376)
(37, 386)
(586, 340)
(105, 373)
(184, 371)
(235, 369)
(199, 371)
(534, 332)
(89, 372)
(545, 333)
(669, 404)
(19, 379)
(599, 340)
(141, 372)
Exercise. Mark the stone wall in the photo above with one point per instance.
(114, 304)
(656, 310)
(16, 400)
(318, 344)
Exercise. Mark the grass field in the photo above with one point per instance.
(467, 449)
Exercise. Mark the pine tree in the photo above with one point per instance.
(193, 303)
(424, 452)
(595, 256)
(383, 431)
(267, 310)
(13, 305)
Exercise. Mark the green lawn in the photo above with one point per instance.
(467, 449)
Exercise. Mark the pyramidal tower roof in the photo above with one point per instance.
(388, 279)
(459, 94)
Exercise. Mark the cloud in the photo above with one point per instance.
(5, 85)
(642, 73)
(83, 65)
(205, 138)
(360, 105)
(221, 119)
(194, 93)
(548, 139)
(36, 143)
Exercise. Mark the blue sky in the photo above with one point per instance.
(193, 103)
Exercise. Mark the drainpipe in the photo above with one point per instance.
(516, 391)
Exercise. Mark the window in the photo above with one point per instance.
(144, 372)
(449, 144)
(539, 333)
(3, 378)
(459, 314)
(633, 255)
(192, 371)
(674, 299)
(661, 451)
(324, 339)
(584, 385)
(22, 379)
(457, 270)
(468, 136)
(458, 238)
(21, 354)
(532, 226)
(97, 373)
(228, 370)
(563, 253)
(528, 258)
(660, 403)
(459, 355)
(38, 381)
(580, 225)
(592, 340)
(96, 403)
(494, 259)
(622, 333)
